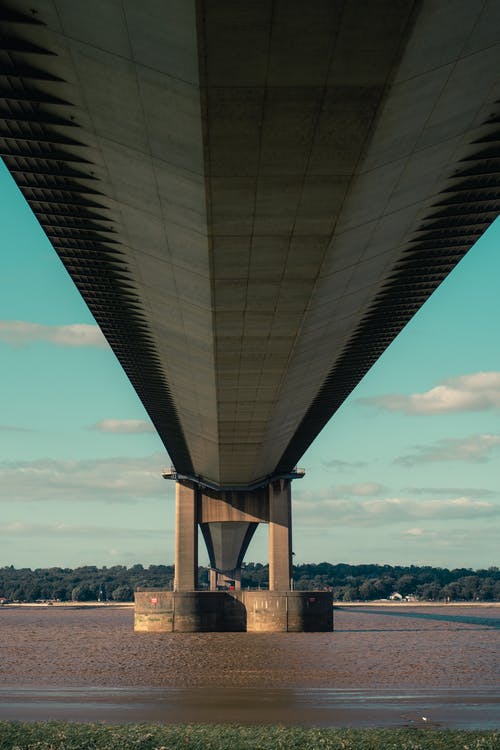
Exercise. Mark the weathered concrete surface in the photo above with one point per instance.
(186, 537)
(289, 611)
(280, 535)
(188, 612)
(252, 611)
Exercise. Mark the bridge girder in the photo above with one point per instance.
(253, 198)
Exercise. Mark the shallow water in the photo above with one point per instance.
(459, 708)
(381, 666)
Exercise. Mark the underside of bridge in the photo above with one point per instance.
(253, 198)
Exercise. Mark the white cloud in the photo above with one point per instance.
(470, 491)
(415, 531)
(476, 392)
(339, 465)
(22, 333)
(336, 491)
(473, 449)
(458, 544)
(123, 425)
(389, 510)
(58, 530)
(358, 488)
(101, 480)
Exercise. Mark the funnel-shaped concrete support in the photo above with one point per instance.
(227, 542)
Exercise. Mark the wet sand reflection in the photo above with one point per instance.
(291, 706)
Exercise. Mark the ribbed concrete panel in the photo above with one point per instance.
(127, 69)
(445, 89)
(284, 137)
(253, 198)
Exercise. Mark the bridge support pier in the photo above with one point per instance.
(228, 520)
(280, 535)
(186, 536)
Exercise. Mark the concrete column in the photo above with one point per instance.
(213, 579)
(225, 579)
(186, 537)
(227, 542)
(280, 535)
(237, 579)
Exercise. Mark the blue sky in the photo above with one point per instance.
(406, 472)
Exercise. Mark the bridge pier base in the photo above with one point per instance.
(228, 519)
(158, 611)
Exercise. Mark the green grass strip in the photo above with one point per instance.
(65, 736)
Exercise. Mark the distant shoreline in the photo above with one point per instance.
(386, 603)
(69, 605)
(374, 603)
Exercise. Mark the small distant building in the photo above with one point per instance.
(397, 597)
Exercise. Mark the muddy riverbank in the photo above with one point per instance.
(383, 647)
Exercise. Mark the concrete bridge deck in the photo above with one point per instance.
(253, 198)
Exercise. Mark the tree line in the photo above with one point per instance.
(347, 582)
